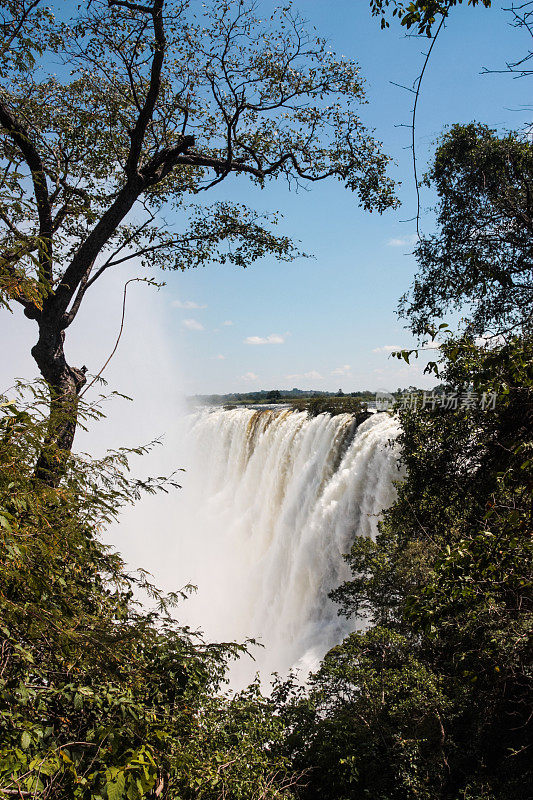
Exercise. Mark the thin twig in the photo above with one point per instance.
(132, 280)
(417, 93)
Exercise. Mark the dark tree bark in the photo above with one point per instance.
(64, 383)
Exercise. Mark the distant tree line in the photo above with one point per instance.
(274, 396)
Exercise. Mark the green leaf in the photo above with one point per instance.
(4, 523)
(116, 785)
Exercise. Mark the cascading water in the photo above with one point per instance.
(275, 499)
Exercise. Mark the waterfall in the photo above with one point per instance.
(275, 499)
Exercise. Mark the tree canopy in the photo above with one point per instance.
(420, 14)
(155, 104)
(115, 122)
(481, 257)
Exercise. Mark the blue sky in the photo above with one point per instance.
(327, 322)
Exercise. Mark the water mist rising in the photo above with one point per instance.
(275, 499)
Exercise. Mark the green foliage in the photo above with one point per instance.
(99, 698)
(103, 700)
(114, 107)
(420, 14)
(371, 725)
(285, 396)
(333, 405)
(432, 701)
(482, 252)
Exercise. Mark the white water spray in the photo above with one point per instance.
(275, 499)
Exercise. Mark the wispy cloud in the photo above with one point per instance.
(344, 370)
(188, 304)
(250, 376)
(220, 357)
(227, 322)
(192, 325)
(387, 348)
(311, 375)
(274, 338)
(402, 241)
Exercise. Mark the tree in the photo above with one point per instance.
(482, 252)
(130, 110)
(420, 14)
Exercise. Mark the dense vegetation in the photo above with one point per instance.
(102, 699)
(434, 699)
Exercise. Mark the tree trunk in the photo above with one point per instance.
(64, 383)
